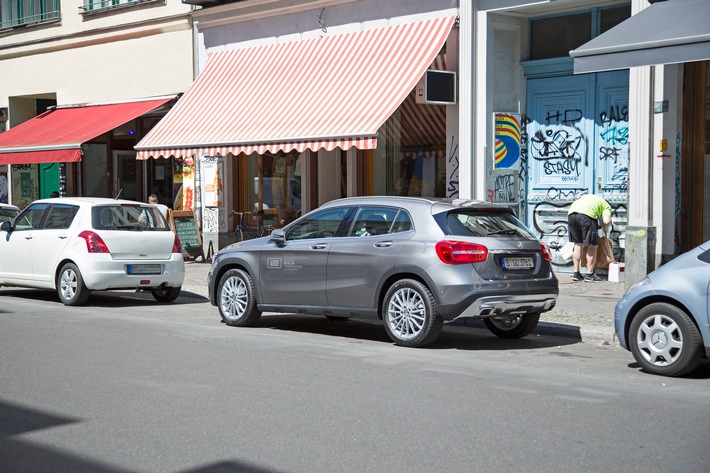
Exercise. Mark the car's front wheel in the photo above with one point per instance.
(515, 326)
(71, 287)
(411, 315)
(236, 300)
(166, 294)
(664, 340)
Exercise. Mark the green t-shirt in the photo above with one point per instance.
(591, 205)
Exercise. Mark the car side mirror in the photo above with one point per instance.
(6, 227)
(278, 236)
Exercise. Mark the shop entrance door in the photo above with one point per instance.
(127, 172)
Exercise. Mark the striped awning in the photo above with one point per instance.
(326, 92)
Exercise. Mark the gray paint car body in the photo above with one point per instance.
(348, 276)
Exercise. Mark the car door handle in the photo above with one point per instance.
(319, 246)
(383, 244)
(63, 237)
(28, 237)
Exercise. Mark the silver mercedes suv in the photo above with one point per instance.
(412, 262)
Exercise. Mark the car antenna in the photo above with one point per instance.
(118, 194)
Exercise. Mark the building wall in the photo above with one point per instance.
(139, 51)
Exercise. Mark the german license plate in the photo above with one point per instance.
(517, 263)
(143, 269)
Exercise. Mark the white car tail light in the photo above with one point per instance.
(94, 243)
(177, 246)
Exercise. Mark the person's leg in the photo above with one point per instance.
(591, 258)
(575, 236)
(577, 256)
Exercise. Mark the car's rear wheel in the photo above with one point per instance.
(513, 326)
(166, 294)
(411, 315)
(71, 287)
(664, 340)
(235, 299)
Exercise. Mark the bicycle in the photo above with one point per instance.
(243, 231)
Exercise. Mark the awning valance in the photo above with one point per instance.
(667, 32)
(327, 92)
(57, 134)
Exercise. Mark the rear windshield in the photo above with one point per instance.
(485, 224)
(127, 217)
(7, 214)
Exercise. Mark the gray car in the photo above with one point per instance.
(663, 319)
(413, 263)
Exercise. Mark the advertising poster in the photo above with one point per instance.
(214, 191)
(507, 140)
(184, 183)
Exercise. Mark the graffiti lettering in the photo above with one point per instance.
(504, 188)
(567, 116)
(452, 186)
(556, 144)
(616, 135)
(616, 114)
(609, 154)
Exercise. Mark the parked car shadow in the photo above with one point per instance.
(456, 337)
(127, 298)
(701, 372)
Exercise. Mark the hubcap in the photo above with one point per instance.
(507, 323)
(659, 340)
(68, 284)
(406, 313)
(234, 298)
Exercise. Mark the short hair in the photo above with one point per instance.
(153, 197)
(54, 194)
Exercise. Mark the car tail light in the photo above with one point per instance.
(460, 252)
(177, 246)
(94, 243)
(546, 252)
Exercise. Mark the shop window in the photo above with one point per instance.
(28, 12)
(610, 17)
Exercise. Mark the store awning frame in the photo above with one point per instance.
(319, 93)
(667, 32)
(57, 134)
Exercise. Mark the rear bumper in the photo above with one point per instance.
(106, 274)
(498, 299)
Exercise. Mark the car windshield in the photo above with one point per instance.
(485, 224)
(127, 217)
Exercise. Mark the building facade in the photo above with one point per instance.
(100, 74)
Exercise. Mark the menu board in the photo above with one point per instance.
(184, 224)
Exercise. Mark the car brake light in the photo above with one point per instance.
(459, 252)
(177, 246)
(546, 252)
(94, 243)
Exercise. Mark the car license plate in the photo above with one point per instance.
(517, 263)
(143, 269)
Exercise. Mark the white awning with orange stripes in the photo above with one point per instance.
(327, 92)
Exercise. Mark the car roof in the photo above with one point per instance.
(90, 201)
(8, 206)
(442, 203)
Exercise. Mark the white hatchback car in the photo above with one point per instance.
(84, 244)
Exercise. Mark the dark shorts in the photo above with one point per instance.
(583, 229)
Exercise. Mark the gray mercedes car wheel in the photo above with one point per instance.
(664, 340)
(512, 326)
(411, 315)
(236, 301)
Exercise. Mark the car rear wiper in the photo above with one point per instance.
(509, 231)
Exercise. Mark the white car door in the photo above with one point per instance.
(17, 245)
(51, 240)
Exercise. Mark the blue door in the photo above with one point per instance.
(577, 143)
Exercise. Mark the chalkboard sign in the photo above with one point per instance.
(184, 225)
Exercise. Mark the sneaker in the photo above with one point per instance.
(577, 276)
(592, 278)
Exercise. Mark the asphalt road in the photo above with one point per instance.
(127, 384)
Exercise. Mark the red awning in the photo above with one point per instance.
(326, 92)
(57, 134)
